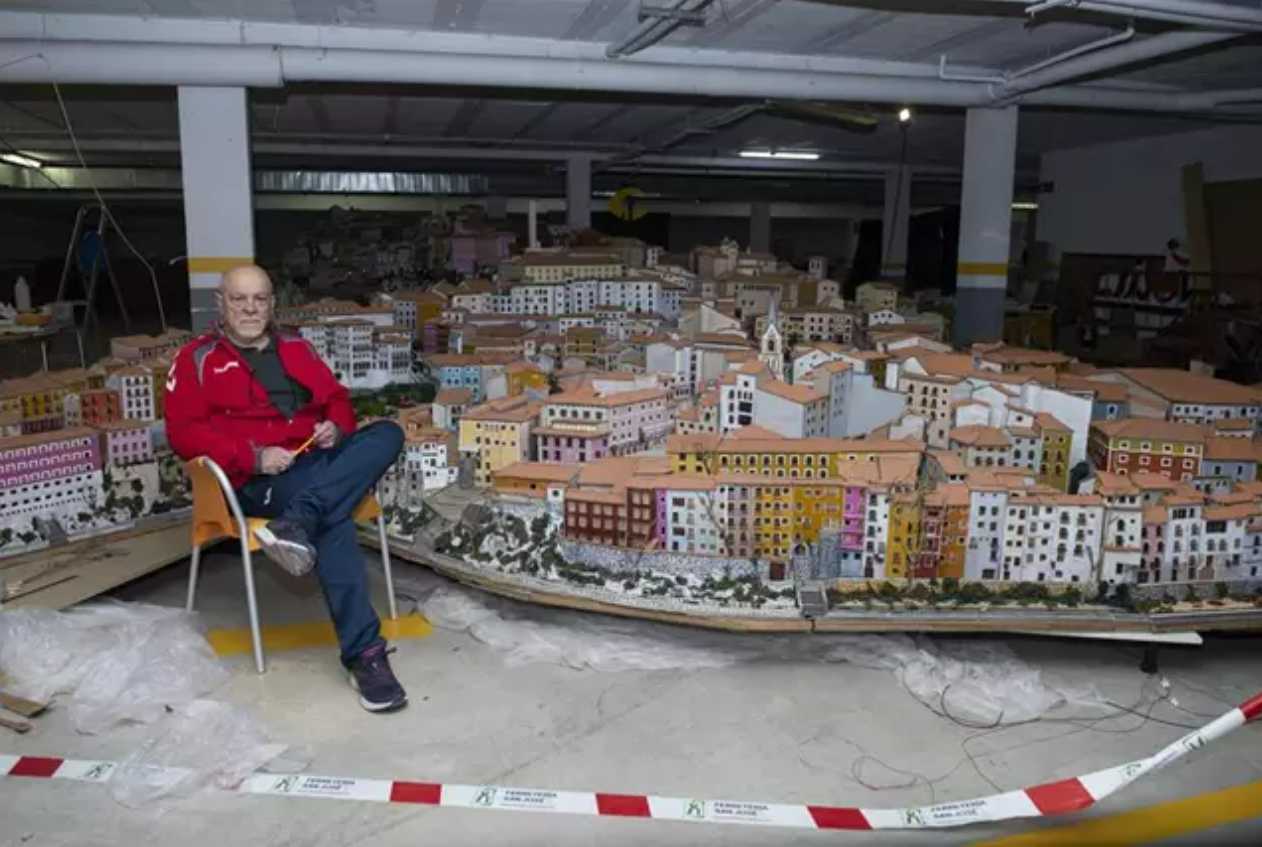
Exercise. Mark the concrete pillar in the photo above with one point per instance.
(578, 192)
(532, 222)
(990, 156)
(895, 221)
(218, 210)
(760, 227)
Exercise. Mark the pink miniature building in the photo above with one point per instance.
(570, 446)
(662, 508)
(47, 474)
(125, 442)
(852, 505)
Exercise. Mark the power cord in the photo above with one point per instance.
(105, 209)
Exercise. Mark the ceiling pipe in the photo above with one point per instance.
(1220, 16)
(654, 29)
(1155, 47)
(1090, 47)
(538, 63)
(140, 64)
(1251, 96)
(55, 29)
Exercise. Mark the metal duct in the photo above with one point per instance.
(360, 182)
(273, 181)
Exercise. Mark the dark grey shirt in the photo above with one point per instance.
(286, 393)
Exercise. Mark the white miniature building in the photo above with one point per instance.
(771, 345)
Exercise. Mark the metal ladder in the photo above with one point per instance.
(78, 237)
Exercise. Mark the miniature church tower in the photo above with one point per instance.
(772, 350)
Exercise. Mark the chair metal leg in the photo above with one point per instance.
(252, 602)
(385, 562)
(192, 577)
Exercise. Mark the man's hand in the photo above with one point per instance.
(326, 434)
(275, 460)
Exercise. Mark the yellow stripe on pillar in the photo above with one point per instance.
(216, 264)
(983, 268)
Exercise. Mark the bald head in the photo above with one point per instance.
(245, 303)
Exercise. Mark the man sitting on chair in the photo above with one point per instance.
(250, 396)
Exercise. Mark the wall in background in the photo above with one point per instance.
(793, 240)
(1235, 217)
(1126, 197)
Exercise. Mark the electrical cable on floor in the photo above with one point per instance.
(1081, 724)
(105, 209)
(1205, 692)
(856, 773)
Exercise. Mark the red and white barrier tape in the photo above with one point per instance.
(1053, 798)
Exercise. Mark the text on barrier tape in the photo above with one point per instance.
(1053, 798)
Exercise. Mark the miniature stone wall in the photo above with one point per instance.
(617, 559)
(1204, 589)
(527, 510)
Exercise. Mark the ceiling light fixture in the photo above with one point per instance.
(797, 155)
(21, 161)
(1022, 206)
(904, 115)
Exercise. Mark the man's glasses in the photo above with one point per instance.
(240, 301)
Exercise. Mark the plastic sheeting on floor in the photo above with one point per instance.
(114, 663)
(975, 682)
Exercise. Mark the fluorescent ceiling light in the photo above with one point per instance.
(21, 161)
(1025, 207)
(799, 155)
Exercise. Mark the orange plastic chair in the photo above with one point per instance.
(217, 515)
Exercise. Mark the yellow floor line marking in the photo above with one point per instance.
(294, 636)
(1149, 824)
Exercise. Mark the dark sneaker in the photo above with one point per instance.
(371, 676)
(286, 544)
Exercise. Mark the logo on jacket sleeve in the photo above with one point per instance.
(171, 378)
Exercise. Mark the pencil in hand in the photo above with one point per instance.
(303, 447)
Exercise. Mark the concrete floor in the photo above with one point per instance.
(771, 729)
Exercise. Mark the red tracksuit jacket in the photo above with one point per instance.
(215, 407)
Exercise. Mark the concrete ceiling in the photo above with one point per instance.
(987, 33)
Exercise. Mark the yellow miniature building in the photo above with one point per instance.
(524, 375)
(1056, 438)
(498, 433)
(904, 534)
(755, 450)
